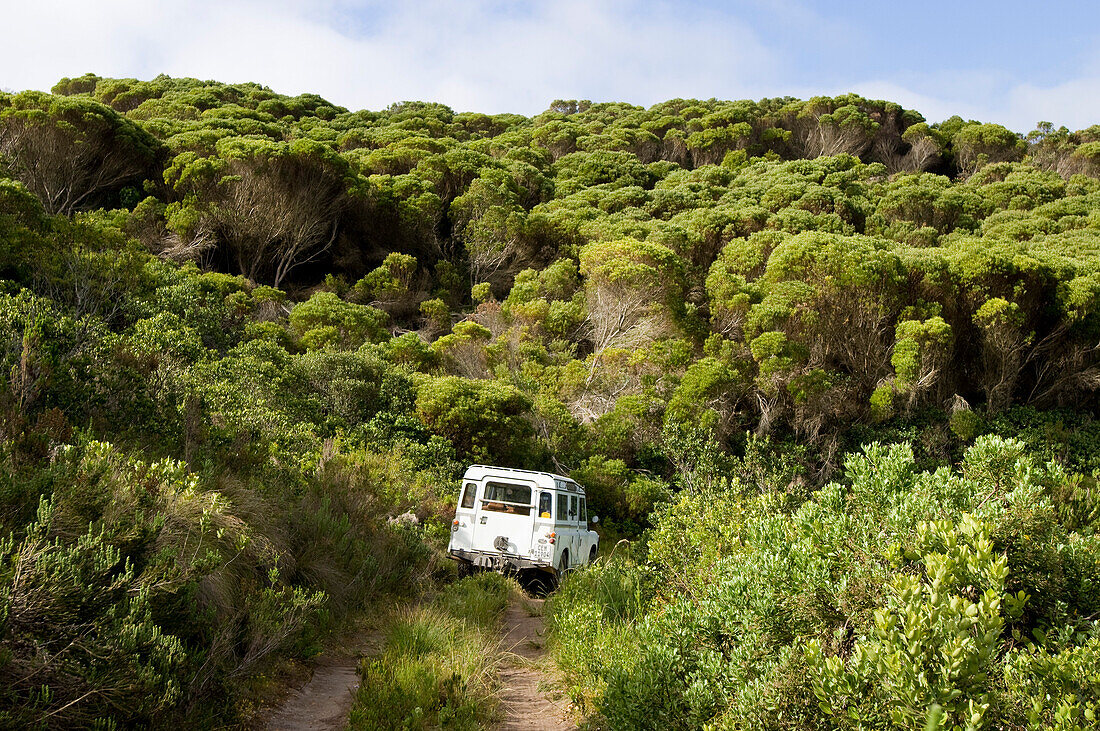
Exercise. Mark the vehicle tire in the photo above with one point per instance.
(592, 556)
(465, 568)
(563, 565)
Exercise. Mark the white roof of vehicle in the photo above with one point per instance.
(479, 471)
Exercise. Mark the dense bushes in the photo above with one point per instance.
(185, 496)
(142, 588)
(818, 250)
(895, 596)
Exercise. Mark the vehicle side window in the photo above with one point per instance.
(584, 513)
(545, 503)
(563, 507)
(469, 495)
(572, 507)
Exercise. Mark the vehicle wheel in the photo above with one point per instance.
(465, 569)
(564, 564)
(592, 556)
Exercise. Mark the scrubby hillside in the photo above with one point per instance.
(242, 330)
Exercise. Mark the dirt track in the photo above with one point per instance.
(323, 703)
(525, 707)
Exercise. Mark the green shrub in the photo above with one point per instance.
(965, 424)
(325, 320)
(487, 421)
(78, 641)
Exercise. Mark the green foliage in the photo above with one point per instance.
(978, 144)
(324, 320)
(604, 289)
(488, 422)
(481, 292)
(864, 606)
(81, 641)
(436, 313)
(623, 499)
(72, 152)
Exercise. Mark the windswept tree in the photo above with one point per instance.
(920, 148)
(710, 145)
(632, 287)
(270, 206)
(72, 152)
(824, 126)
(1066, 153)
(491, 223)
(978, 144)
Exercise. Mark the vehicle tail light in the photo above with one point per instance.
(552, 536)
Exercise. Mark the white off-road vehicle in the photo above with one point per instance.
(514, 520)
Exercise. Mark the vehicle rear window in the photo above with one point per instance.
(545, 503)
(468, 495)
(505, 497)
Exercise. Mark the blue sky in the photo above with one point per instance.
(1009, 62)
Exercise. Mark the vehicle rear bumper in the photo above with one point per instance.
(496, 561)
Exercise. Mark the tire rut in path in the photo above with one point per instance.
(323, 703)
(524, 706)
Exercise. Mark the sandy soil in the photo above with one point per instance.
(323, 703)
(525, 707)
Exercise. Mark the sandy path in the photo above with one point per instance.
(526, 708)
(323, 703)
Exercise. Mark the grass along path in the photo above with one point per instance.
(438, 661)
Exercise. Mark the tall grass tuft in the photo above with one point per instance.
(438, 663)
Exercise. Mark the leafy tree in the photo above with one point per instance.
(272, 207)
(485, 420)
(978, 144)
(633, 288)
(72, 152)
(326, 320)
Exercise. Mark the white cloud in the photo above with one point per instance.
(471, 55)
(1074, 103)
(494, 55)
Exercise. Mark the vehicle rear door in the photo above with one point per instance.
(504, 517)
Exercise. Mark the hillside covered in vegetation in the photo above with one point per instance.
(239, 331)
